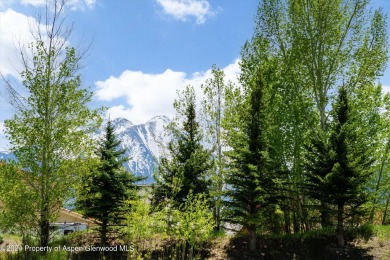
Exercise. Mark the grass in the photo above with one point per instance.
(17, 239)
(383, 233)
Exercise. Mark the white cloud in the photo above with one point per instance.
(119, 112)
(386, 89)
(73, 4)
(90, 3)
(182, 9)
(16, 32)
(149, 95)
(14, 29)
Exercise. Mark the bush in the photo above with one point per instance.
(365, 232)
(76, 239)
(169, 232)
(383, 233)
(144, 229)
(194, 224)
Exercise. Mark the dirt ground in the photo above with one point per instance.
(218, 251)
(379, 249)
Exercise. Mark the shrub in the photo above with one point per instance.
(365, 232)
(144, 229)
(169, 232)
(194, 224)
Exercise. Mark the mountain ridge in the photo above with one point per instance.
(144, 144)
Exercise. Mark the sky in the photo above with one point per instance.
(141, 51)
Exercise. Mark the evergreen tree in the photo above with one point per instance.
(338, 166)
(350, 172)
(188, 163)
(105, 192)
(249, 176)
(318, 164)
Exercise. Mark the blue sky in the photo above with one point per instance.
(143, 50)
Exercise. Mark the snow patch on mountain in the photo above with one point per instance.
(144, 144)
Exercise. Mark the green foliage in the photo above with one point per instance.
(316, 46)
(192, 225)
(54, 255)
(338, 165)
(318, 164)
(144, 229)
(382, 232)
(323, 43)
(373, 119)
(109, 186)
(75, 239)
(314, 244)
(188, 164)
(351, 169)
(16, 200)
(365, 231)
(194, 221)
(187, 228)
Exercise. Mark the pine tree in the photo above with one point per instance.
(318, 164)
(188, 163)
(250, 174)
(350, 172)
(109, 186)
(338, 166)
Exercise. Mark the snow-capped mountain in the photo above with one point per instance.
(144, 144)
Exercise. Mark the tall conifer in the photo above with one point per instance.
(346, 181)
(188, 163)
(249, 175)
(109, 186)
(338, 166)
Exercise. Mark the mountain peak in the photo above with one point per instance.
(121, 124)
(159, 118)
(144, 144)
(121, 121)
